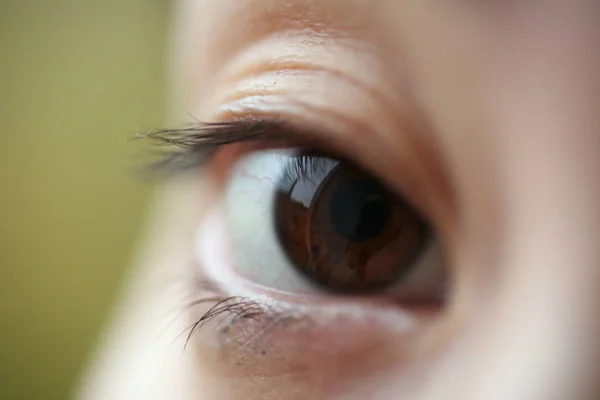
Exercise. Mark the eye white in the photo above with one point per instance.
(248, 210)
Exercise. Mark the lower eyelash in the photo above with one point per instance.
(229, 312)
(232, 309)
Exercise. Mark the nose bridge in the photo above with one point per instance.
(546, 320)
(540, 339)
(539, 336)
(548, 300)
(548, 138)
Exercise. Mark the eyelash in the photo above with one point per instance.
(233, 308)
(229, 312)
(193, 147)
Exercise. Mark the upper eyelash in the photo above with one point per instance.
(307, 167)
(193, 146)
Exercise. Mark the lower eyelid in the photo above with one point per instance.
(325, 350)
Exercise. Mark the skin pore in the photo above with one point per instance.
(484, 114)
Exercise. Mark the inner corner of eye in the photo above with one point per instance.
(298, 219)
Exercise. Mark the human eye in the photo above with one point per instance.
(300, 232)
(309, 223)
(321, 257)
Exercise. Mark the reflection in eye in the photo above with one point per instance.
(307, 223)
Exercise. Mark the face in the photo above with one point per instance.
(387, 200)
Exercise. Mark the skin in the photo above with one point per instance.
(484, 113)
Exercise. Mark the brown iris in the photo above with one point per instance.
(342, 228)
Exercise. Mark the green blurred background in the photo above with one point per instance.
(77, 78)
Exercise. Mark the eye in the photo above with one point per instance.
(307, 223)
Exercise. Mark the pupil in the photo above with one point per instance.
(360, 210)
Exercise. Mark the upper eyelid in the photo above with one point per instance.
(339, 101)
(290, 68)
(294, 52)
(327, 120)
(269, 80)
(297, 50)
(343, 85)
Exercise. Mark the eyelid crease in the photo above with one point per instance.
(276, 71)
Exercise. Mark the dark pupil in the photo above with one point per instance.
(360, 210)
